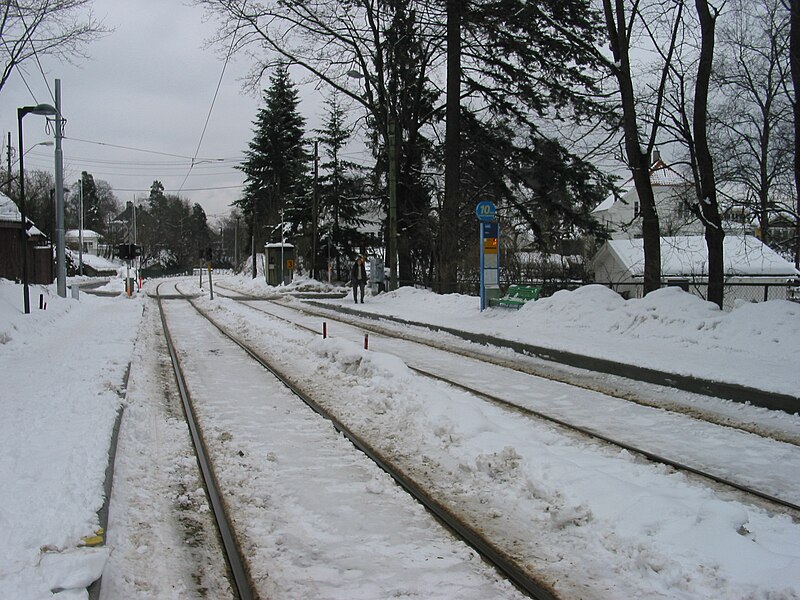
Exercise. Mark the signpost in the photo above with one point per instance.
(128, 252)
(486, 212)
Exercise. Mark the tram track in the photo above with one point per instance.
(240, 577)
(465, 531)
(618, 386)
(771, 499)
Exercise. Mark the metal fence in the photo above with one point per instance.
(734, 292)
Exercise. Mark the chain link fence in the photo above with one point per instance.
(734, 294)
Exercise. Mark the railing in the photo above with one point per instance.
(734, 292)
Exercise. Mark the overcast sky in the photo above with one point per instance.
(148, 85)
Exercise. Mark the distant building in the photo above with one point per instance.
(37, 246)
(91, 240)
(684, 262)
(621, 215)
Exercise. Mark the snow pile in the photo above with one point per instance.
(628, 525)
(755, 344)
(98, 263)
(62, 373)
(617, 518)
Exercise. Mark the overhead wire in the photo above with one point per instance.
(36, 56)
(213, 100)
(137, 149)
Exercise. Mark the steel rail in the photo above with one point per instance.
(482, 356)
(504, 564)
(652, 456)
(697, 385)
(237, 567)
(604, 438)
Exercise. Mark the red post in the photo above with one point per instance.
(324, 330)
(366, 341)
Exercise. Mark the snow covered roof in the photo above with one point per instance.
(87, 233)
(10, 212)
(688, 255)
(607, 203)
(8, 209)
(660, 174)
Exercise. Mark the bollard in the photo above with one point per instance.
(324, 330)
(366, 341)
(41, 301)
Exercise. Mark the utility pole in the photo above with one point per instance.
(61, 259)
(236, 244)
(314, 213)
(8, 153)
(392, 204)
(80, 227)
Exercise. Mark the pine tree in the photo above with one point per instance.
(275, 164)
(85, 191)
(342, 193)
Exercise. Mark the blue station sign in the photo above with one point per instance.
(486, 210)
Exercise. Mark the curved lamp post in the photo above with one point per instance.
(39, 109)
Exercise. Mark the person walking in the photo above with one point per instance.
(358, 277)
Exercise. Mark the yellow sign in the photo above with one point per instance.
(290, 264)
(490, 245)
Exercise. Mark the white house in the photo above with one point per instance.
(684, 262)
(621, 214)
(91, 240)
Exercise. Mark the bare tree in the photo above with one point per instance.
(30, 29)
(794, 44)
(378, 54)
(752, 124)
(687, 118)
(621, 29)
(707, 206)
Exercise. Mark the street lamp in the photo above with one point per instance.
(46, 143)
(40, 109)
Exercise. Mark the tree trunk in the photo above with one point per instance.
(709, 208)
(448, 219)
(251, 228)
(794, 46)
(638, 160)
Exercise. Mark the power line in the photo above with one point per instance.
(217, 164)
(213, 100)
(167, 190)
(36, 56)
(140, 149)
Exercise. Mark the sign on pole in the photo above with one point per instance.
(486, 211)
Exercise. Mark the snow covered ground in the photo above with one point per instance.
(63, 374)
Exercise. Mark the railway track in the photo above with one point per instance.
(717, 476)
(237, 565)
(630, 385)
(237, 561)
(519, 573)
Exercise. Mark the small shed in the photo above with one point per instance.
(684, 261)
(37, 247)
(91, 240)
(280, 263)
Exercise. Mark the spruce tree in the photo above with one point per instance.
(85, 191)
(275, 165)
(342, 192)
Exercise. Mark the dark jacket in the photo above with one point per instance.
(358, 274)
